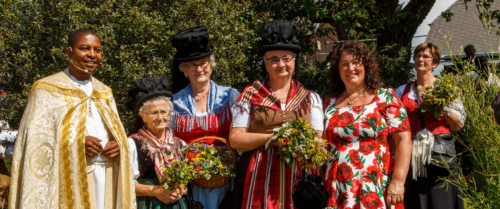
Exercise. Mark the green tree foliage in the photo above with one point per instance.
(136, 38)
(385, 24)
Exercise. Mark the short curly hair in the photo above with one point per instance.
(361, 51)
(73, 36)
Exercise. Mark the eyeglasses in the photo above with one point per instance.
(193, 65)
(276, 60)
(157, 113)
(423, 56)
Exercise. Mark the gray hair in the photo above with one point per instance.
(170, 105)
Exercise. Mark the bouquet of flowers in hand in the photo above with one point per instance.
(297, 139)
(443, 93)
(178, 174)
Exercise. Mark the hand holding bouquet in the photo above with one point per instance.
(297, 139)
(443, 93)
(178, 174)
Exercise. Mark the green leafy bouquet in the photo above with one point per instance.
(297, 139)
(443, 93)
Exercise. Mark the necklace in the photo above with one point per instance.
(198, 97)
(349, 96)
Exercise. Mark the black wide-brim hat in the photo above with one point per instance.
(192, 44)
(145, 89)
(279, 35)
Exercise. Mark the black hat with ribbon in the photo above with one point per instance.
(145, 89)
(279, 35)
(192, 44)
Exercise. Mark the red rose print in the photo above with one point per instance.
(356, 188)
(344, 172)
(371, 121)
(331, 125)
(400, 206)
(331, 176)
(371, 201)
(342, 200)
(364, 142)
(367, 146)
(355, 132)
(365, 125)
(346, 139)
(355, 159)
(394, 110)
(345, 119)
(358, 109)
(382, 106)
(341, 147)
(332, 202)
(372, 174)
(387, 161)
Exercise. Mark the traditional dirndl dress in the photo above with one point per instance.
(430, 192)
(268, 181)
(190, 125)
(143, 150)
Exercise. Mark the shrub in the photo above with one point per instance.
(481, 140)
(135, 36)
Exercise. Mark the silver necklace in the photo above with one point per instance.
(352, 100)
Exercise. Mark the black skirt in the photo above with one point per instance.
(432, 193)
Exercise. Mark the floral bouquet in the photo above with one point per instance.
(178, 174)
(443, 93)
(297, 139)
(209, 161)
(201, 161)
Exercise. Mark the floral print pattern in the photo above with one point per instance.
(362, 168)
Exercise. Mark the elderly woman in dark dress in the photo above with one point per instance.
(154, 146)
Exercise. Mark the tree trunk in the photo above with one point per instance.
(394, 39)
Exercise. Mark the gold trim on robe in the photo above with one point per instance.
(49, 168)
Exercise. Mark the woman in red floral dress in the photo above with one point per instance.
(361, 118)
